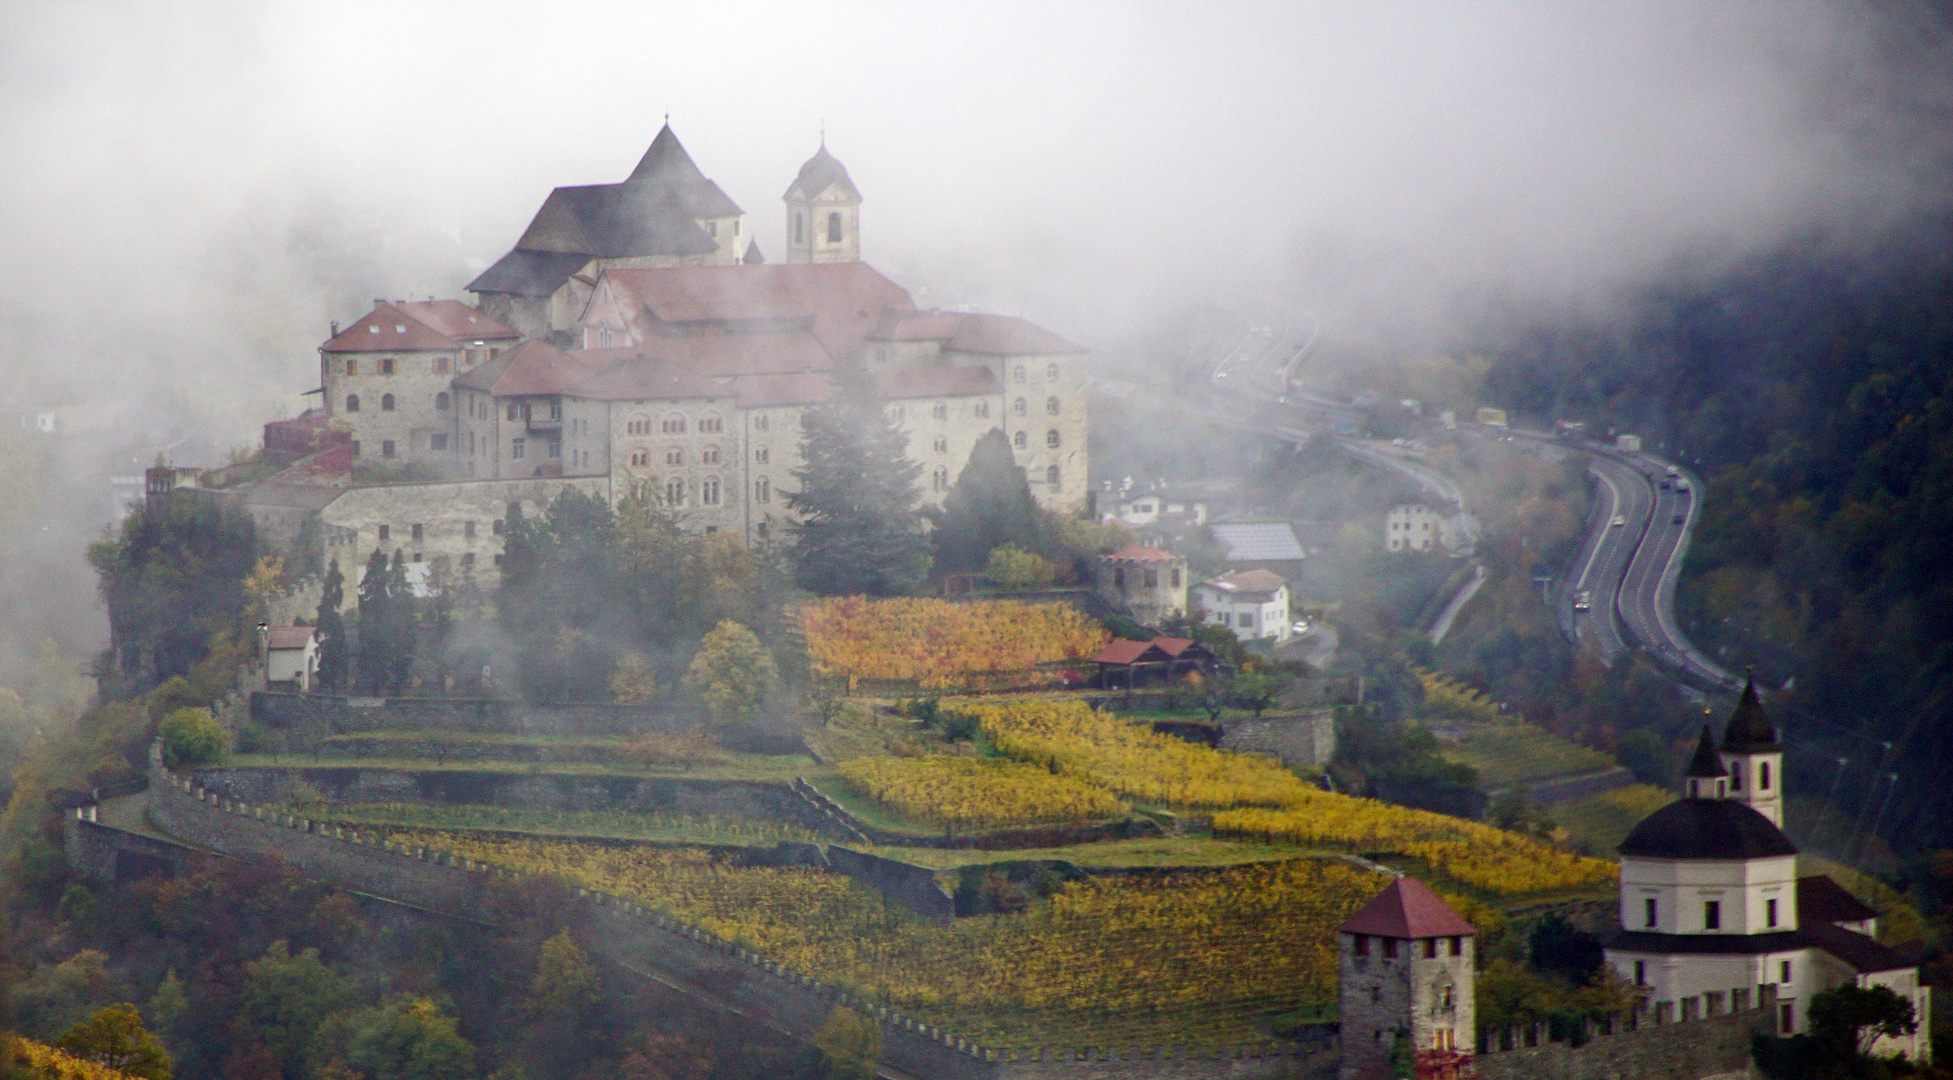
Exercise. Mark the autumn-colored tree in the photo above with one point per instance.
(666, 1057)
(850, 1045)
(115, 1037)
(634, 681)
(733, 672)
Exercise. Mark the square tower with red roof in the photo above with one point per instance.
(1407, 969)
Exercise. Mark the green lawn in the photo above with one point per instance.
(1507, 754)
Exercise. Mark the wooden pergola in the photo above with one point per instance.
(1163, 656)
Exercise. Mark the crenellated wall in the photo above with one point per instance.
(1632, 1046)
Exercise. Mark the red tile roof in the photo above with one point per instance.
(289, 637)
(838, 302)
(1007, 335)
(532, 368)
(917, 326)
(1125, 651)
(440, 326)
(1139, 553)
(919, 382)
(1407, 908)
(1172, 646)
(771, 391)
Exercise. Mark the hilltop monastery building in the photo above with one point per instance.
(635, 339)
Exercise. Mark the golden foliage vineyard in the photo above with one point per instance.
(1231, 942)
(978, 792)
(1259, 799)
(936, 644)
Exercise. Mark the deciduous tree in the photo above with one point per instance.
(733, 673)
(115, 1037)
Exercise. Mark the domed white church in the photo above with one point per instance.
(1712, 908)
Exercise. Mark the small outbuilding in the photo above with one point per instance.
(1126, 664)
(292, 656)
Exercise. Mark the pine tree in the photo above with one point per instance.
(375, 622)
(990, 505)
(335, 657)
(404, 632)
(858, 531)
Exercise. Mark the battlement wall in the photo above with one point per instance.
(1636, 1045)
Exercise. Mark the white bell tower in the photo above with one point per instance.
(823, 212)
(1754, 757)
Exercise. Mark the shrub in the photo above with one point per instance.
(192, 737)
(1013, 569)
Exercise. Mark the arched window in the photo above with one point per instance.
(441, 401)
(709, 424)
(1018, 406)
(834, 228)
(940, 479)
(799, 224)
(386, 402)
(762, 490)
(638, 425)
(709, 455)
(640, 459)
(674, 455)
(1051, 438)
(1051, 406)
(674, 424)
(708, 491)
(674, 493)
(1051, 475)
(1018, 440)
(352, 402)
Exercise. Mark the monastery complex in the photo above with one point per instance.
(636, 340)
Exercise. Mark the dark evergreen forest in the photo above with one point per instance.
(1812, 388)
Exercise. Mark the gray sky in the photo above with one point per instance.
(192, 190)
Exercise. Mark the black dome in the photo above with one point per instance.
(1706, 829)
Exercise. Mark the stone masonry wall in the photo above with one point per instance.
(654, 945)
(1634, 1048)
(307, 718)
(1299, 741)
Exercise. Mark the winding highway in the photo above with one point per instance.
(1619, 593)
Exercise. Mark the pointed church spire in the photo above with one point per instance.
(1706, 764)
(1749, 727)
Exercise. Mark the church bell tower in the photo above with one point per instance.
(823, 212)
(1754, 757)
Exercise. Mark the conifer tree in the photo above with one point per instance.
(403, 633)
(989, 506)
(335, 655)
(375, 622)
(858, 532)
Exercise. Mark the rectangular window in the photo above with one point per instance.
(386, 366)
(355, 447)
(1739, 1000)
(708, 491)
(1247, 619)
(1152, 579)
(386, 532)
(517, 447)
(1763, 776)
(1430, 948)
(1176, 577)
(419, 533)
(495, 526)
(386, 448)
(1390, 948)
(437, 442)
(1457, 946)
(352, 367)
(441, 364)
(1785, 1018)
(1769, 913)
(1712, 915)
(1648, 909)
(555, 449)
(1691, 1007)
(1783, 973)
(468, 530)
(1736, 776)
(1362, 944)
(1640, 973)
(515, 411)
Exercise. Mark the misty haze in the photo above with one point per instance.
(976, 542)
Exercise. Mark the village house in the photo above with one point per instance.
(1252, 603)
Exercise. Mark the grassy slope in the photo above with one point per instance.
(1507, 754)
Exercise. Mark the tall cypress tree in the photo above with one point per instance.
(330, 629)
(858, 532)
(990, 505)
(403, 631)
(375, 622)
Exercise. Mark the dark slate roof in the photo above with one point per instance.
(821, 172)
(1819, 899)
(753, 257)
(1643, 941)
(1706, 764)
(529, 273)
(617, 221)
(1407, 908)
(1861, 951)
(1706, 829)
(1749, 728)
(667, 163)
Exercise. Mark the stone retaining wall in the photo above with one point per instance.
(1633, 1047)
(652, 944)
(307, 718)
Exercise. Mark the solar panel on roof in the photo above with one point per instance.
(1261, 540)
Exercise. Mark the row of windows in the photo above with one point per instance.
(441, 365)
(441, 402)
(833, 228)
(419, 532)
(1432, 948)
(674, 424)
(1152, 578)
(1022, 375)
(939, 481)
(1022, 440)
(1711, 913)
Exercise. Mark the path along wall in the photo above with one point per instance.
(660, 947)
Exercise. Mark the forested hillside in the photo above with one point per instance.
(1813, 389)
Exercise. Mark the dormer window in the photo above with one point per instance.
(374, 329)
(834, 228)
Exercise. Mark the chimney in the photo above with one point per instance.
(335, 328)
(379, 301)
